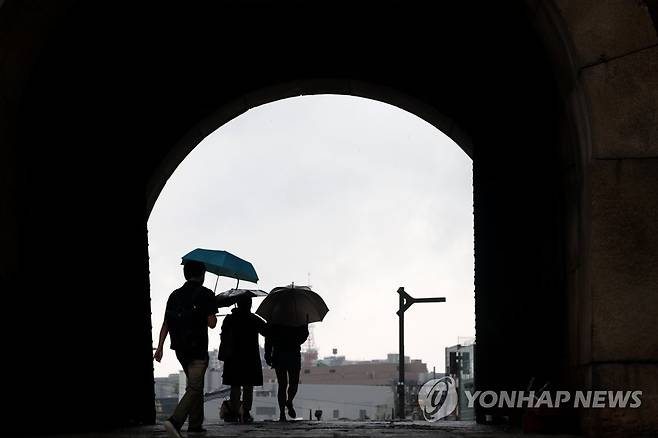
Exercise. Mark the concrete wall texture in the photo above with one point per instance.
(556, 101)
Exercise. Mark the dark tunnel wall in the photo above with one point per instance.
(113, 91)
(109, 93)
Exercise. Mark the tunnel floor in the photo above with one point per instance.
(447, 429)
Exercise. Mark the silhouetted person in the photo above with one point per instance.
(242, 365)
(190, 311)
(283, 353)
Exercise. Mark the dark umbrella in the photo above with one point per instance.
(292, 306)
(229, 297)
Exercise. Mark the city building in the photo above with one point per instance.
(341, 389)
(460, 366)
(357, 373)
(166, 395)
(166, 387)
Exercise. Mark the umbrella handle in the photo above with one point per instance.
(216, 281)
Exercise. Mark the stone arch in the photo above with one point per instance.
(68, 74)
(259, 97)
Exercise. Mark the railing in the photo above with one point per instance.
(220, 393)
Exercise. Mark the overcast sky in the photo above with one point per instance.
(360, 194)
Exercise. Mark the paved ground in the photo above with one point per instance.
(313, 429)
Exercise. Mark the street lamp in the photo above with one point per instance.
(406, 301)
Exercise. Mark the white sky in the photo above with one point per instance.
(362, 195)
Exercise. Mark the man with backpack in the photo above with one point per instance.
(190, 311)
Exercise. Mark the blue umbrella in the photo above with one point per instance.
(223, 263)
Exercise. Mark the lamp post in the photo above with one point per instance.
(406, 301)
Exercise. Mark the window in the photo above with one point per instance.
(453, 367)
(466, 363)
(332, 371)
(307, 371)
(336, 413)
(362, 414)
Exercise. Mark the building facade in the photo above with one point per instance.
(459, 365)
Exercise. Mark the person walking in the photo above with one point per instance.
(240, 351)
(283, 353)
(190, 311)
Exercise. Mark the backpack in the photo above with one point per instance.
(185, 320)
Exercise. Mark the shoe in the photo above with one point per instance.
(291, 410)
(282, 417)
(172, 430)
(196, 430)
(246, 417)
(227, 413)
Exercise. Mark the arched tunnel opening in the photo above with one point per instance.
(353, 195)
(100, 106)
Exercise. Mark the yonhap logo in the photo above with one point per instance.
(555, 399)
(438, 398)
